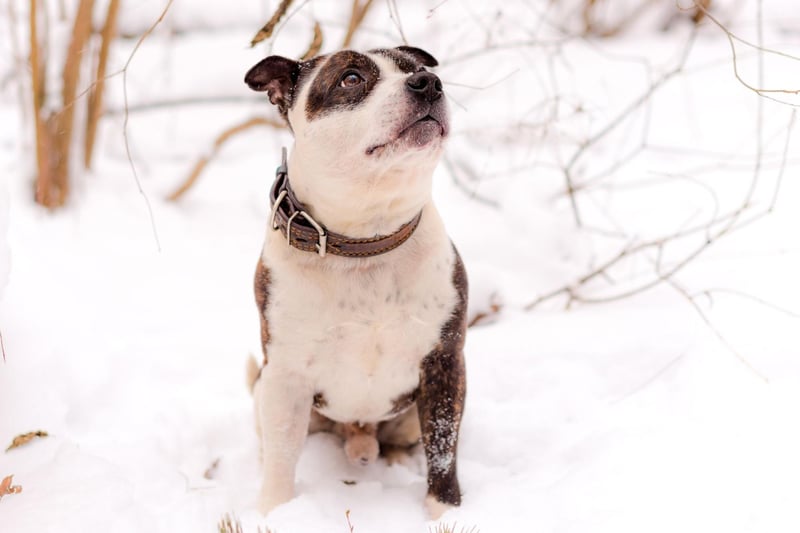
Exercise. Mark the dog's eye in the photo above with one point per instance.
(350, 79)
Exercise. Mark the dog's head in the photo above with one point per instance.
(359, 109)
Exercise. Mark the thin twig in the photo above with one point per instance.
(672, 283)
(741, 294)
(394, 14)
(471, 193)
(185, 102)
(765, 93)
(652, 379)
(571, 186)
(147, 32)
(779, 181)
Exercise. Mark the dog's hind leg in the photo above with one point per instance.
(283, 407)
(400, 436)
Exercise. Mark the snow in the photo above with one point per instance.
(630, 415)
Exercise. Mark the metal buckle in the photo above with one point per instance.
(275, 207)
(322, 238)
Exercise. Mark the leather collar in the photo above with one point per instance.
(306, 234)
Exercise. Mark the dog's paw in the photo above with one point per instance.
(436, 508)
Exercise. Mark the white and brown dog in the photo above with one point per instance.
(361, 294)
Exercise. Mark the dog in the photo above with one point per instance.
(362, 296)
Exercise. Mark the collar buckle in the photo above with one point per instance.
(287, 210)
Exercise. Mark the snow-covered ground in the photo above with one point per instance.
(631, 415)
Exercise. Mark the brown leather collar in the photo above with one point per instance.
(306, 234)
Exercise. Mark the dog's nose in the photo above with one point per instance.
(425, 84)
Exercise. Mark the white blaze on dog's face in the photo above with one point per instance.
(369, 127)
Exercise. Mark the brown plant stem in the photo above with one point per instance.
(44, 178)
(357, 15)
(266, 31)
(316, 43)
(221, 139)
(62, 123)
(95, 101)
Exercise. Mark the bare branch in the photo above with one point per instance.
(126, 116)
(266, 31)
(763, 92)
(219, 142)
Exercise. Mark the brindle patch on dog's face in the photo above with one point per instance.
(404, 61)
(343, 82)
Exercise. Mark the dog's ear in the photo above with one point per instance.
(420, 55)
(276, 75)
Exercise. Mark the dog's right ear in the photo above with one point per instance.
(276, 75)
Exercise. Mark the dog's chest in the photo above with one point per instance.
(358, 337)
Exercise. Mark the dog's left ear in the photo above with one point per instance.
(420, 55)
(277, 75)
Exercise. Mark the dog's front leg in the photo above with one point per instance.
(283, 406)
(442, 388)
(440, 403)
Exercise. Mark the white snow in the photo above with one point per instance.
(624, 416)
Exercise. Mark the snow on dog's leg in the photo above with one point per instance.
(283, 406)
(441, 403)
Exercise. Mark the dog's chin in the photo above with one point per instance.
(425, 134)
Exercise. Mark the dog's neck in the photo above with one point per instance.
(361, 202)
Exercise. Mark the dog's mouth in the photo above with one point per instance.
(418, 132)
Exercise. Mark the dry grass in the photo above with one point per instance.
(451, 528)
(266, 31)
(231, 524)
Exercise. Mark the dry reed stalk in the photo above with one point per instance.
(700, 11)
(316, 43)
(44, 178)
(95, 101)
(64, 120)
(357, 15)
(221, 139)
(266, 31)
